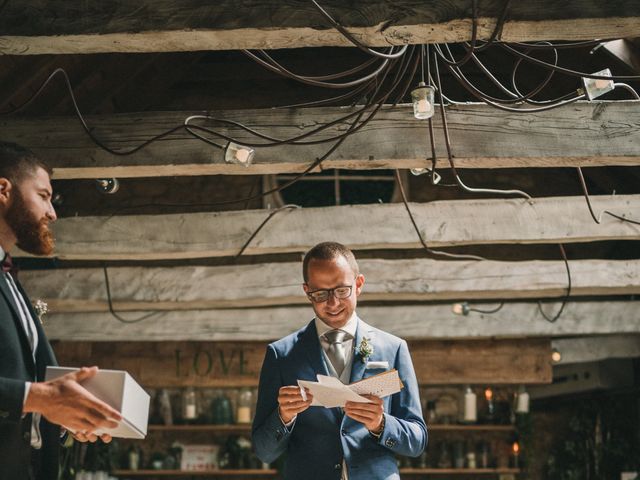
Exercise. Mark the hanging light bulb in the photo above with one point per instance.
(422, 97)
(460, 308)
(238, 154)
(596, 87)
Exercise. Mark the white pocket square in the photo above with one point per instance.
(372, 365)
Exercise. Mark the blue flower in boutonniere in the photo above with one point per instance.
(41, 309)
(365, 349)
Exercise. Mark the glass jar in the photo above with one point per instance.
(245, 402)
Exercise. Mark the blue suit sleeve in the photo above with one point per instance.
(270, 436)
(405, 432)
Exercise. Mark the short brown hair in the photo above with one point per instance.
(329, 251)
(16, 162)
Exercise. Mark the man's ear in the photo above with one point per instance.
(5, 190)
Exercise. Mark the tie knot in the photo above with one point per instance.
(7, 263)
(336, 336)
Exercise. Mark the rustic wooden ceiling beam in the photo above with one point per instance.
(580, 134)
(244, 286)
(33, 27)
(515, 320)
(364, 227)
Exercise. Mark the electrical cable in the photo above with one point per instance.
(112, 310)
(417, 229)
(566, 298)
(598, 219)
(447, 139)
(260, 227)
(352, 39)
(488, 312)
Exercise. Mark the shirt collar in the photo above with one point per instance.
(350, 327)
(2, 254)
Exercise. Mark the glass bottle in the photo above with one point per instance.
(245, 401)
(189, 405)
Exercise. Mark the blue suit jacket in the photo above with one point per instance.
(322, 437)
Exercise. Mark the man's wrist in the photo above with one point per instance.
(378, 431)
(36, 392)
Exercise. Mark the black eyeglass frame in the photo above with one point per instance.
(330, 292)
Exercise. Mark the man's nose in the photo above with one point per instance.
(332, 300)
(51, 214)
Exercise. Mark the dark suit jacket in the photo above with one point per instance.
(322, 437)
(17, 367)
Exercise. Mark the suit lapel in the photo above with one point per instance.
(313, 350)
(358, 367)
(26, 347)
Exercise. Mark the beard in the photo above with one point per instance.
(33, 234)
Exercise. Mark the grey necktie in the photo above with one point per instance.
(336, 351)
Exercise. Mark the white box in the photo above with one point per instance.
(120, 391)
(199, 458)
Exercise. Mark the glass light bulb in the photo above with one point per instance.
(596, 87)
(423, 97)
(239, 154)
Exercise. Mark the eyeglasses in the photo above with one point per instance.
(320, 296)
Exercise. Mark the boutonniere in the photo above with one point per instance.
(365, 349)
(41, 309)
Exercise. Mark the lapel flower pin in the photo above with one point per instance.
(365, 349)
(41, 309)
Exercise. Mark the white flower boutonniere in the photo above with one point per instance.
(41, 309)
(365, 349)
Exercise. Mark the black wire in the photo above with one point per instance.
(593, 215)
(354, 40)
(257, 230)
(566, 298)
(494, 310)
(111, 309)
(417, 229)
(497, 31)
(566, 71)
(474, 38)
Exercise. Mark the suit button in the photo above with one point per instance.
(27, 437)
(390, 442)
(337, 466)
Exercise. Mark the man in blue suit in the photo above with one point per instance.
(361, 440)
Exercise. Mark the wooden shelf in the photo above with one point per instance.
(467, 428)
(192, 473)
(271, 472)
(246, 428)
(234, 428)
(458, 471)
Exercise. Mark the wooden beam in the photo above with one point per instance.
(166, 25)
(483, 137)
(416, 321)
(242, 286)
(223, 364)
(362, 227)
(595, 349)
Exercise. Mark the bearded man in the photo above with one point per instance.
(32, 410)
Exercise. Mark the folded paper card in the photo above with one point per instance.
(330, 392)
(120, 391)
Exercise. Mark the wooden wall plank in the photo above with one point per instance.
(242, 286)
(514, 320)
(483, 137)
(361, 227)
(216, 364)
